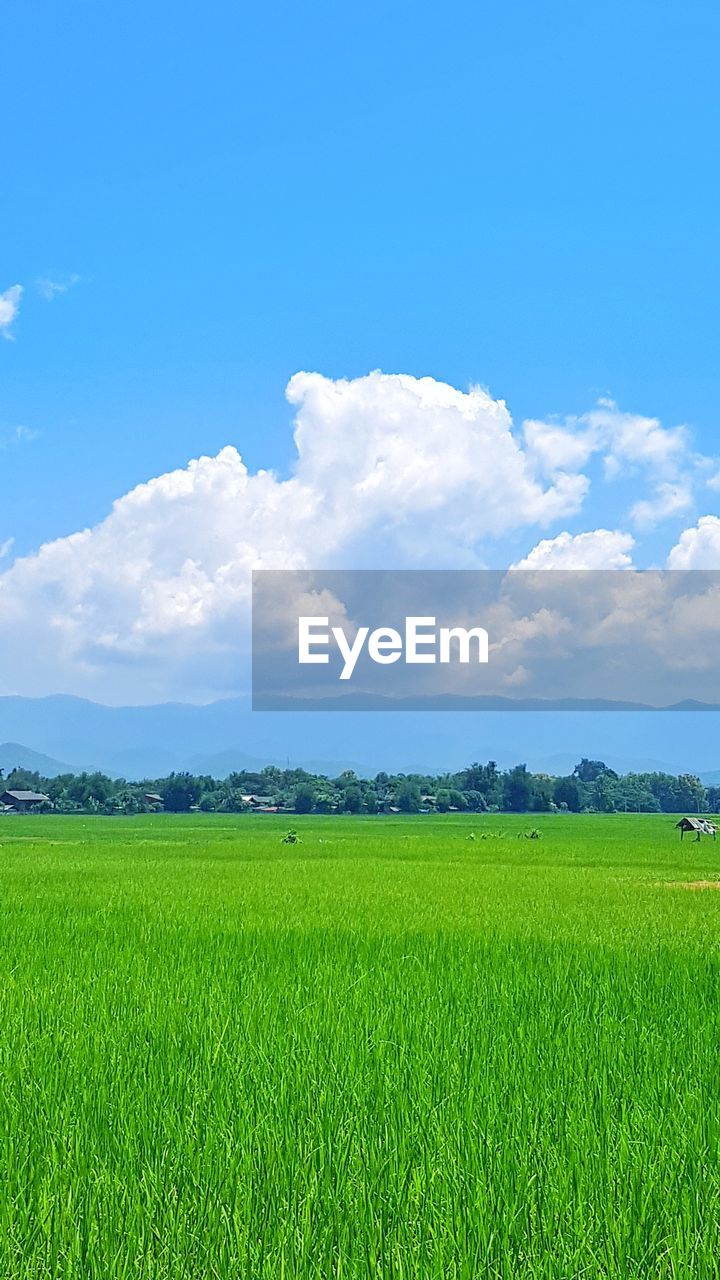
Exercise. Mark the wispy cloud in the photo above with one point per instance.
(631, 447)
(669, 500)
(50, 287)
(18, 435)
(9, 307)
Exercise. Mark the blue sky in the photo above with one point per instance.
(519, 196)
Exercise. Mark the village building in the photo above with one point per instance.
(23, 801)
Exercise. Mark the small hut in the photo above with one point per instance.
(700, 826)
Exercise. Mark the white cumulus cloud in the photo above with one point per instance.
(9, 307)
(597, 549)
(390, 471)
(698, 547)
(558, 446)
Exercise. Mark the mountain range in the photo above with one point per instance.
(63, 733)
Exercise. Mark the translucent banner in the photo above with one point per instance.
(342, 640)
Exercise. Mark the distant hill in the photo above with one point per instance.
(221, 763)
(15, 756)
(149, 741)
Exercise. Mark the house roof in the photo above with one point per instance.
(697, 824)
(27, 796)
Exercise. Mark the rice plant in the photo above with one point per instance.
(380, 1052)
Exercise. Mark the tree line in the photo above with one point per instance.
(592, 787)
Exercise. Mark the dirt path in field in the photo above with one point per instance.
(690, 884)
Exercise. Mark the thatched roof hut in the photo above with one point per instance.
(700, 826)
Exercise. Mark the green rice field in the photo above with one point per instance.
(423, 1048)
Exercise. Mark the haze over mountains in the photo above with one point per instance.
(60, 734)
(13, 755)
